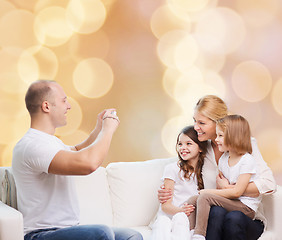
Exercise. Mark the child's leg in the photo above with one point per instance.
(180, 227)
(204, 203)
(161, 229)
(192, 217)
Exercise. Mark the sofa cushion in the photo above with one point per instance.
(133, 189)
(94, 198)
(8, 189)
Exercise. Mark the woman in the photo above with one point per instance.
(223, 224)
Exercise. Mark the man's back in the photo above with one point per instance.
(45, 200)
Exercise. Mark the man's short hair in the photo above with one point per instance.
(36, 94)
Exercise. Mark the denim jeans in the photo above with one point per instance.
(84, 232)
(235, 225)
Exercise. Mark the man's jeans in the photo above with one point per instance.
(235, 225)
(84, 232)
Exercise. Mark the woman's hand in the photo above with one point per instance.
(188, 209)
(164, 194)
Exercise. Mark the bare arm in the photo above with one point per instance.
(234, 192)
(94, 134)
(223, 183)
(90, 155)
(168, 207)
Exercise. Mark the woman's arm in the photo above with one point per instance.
(265, 182)
(168, 207)
(233, 192)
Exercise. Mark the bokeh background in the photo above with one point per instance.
(151, 60)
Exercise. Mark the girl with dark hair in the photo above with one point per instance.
(184, 179)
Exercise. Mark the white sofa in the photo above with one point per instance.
(124, 194)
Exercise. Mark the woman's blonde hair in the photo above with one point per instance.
(212, 107)
(237, 133)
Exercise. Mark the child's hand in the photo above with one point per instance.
(221, 181)
(206, 191)
(188, 209)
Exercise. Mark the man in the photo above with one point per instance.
(42, 164)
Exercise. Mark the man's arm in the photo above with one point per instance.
(90, 154)
(94, 134)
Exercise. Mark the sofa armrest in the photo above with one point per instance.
(272, 205)
(11, 223)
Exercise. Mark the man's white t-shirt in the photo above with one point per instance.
(45, 200)
(183, 188)
(246, 164)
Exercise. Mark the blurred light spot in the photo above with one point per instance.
(167, 45)
(28, 5)
(214, 80)
(9, 77)
(28, 68)
(187, 90)
(210, 61)
(188, 6)
(40, 5)
(164, 20)
(251, 81)
(268, 142)
(186, 53)
(79, 45)
(74, 118)
(75, 138)
(37, 63)
(51, 27)
(280, 145)
(276, 96)
(216, 29)
(20, 33)
(7, 154)
(184, 13)
(6, 7)
(14, 119)
(193, 73)
(86, 16)
(258, 13)
(171, 130)
(254, 115)
(170, 78)
(177, 85)
(93, 78)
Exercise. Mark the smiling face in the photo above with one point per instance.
(59, 106)
(220, 139)
(187, 148)
(204, 126)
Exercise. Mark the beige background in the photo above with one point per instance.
(152, 60)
